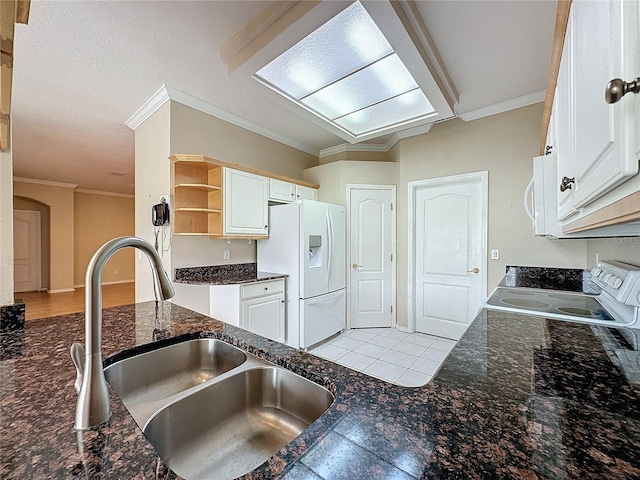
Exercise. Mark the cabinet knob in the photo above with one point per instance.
(566, 182)
(618, 88)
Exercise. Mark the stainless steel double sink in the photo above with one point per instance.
(210, 408)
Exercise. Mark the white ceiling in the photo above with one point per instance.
(82, 68)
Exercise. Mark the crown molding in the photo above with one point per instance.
(347, 147)
(377, 147)
(148, 108)
(166, 93)
(108, 194)
(45, 182)
(512, 104)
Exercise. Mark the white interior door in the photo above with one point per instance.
(449, 232)
(372, 240)
(26, 250)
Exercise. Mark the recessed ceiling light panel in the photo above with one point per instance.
(380, 81)
(393, 112)
(347, 73)
(343, 45)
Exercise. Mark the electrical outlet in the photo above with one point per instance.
(227, 254)
(495, 254)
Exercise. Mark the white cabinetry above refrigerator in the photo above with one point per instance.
(281, 191)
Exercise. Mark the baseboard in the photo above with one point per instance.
(403, 328)
(108, 283)
(62, 290)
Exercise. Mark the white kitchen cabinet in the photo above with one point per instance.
(258, 307)
(559, 125)
(598, 144)
(281, 191)
(263, 307)
(245, 204)
(306, 193)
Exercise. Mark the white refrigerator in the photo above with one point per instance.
(307, 241)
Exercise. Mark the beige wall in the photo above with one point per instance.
(153, 179)
(99, 218)
(333, 178)
(21, 203)
(198, 133)
(6, 227)
(355, 156)
(622, 249)
(60, 202)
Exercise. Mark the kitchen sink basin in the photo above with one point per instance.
(150, 380)
(234, 424)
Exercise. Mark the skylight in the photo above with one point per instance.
(347, 73)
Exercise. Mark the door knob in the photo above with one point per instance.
(355, 265)
(618, 88)
(475, 270)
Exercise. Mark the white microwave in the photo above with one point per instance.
(541, 204)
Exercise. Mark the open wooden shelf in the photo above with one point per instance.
(197, 193)
(199, 186)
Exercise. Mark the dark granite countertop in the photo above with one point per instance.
(566, 279)
(224, 274)
(519, 397)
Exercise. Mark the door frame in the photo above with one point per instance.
(392, 189)
(413, 187)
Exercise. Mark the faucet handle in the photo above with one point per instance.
(77, 355)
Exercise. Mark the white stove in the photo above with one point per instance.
(617, 306)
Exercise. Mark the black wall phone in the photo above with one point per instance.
(160, 214)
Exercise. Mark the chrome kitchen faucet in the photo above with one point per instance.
(93, 406)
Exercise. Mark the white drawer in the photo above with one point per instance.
(260, 289)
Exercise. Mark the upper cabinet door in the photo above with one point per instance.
(306, 193)
(603, 44)
(561, 126)
(281, 191)
(245, 204)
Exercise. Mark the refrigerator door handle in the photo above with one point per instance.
(330, 245)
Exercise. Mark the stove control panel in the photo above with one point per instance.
(620, 280)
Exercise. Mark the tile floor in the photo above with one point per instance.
(389, 354)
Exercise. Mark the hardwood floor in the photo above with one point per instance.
(43, 304)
